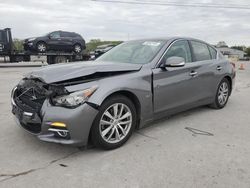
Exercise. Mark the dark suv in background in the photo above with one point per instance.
(103, 49)
(56, 41)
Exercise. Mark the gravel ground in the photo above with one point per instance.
(164, 154)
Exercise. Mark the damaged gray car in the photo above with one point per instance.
(125, 89)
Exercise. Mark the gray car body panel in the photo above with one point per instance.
(78, 121)
(160, 92)
(63, 72)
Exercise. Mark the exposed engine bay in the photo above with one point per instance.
(30, 94)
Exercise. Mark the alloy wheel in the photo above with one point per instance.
(78, 49)
(223, 93)
(41, 47)
(115, 123)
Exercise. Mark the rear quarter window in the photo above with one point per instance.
(200, 51)
(72, 35)
(64, 34)
(213, 52)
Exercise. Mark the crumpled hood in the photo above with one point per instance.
(67, 71)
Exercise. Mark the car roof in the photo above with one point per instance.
(169, 39)
(64, 31)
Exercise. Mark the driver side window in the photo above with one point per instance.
(179, 49)
(55, 35)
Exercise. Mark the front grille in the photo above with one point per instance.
(29, 99)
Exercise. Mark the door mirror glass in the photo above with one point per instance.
(174, 61)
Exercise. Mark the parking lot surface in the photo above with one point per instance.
(165, 154)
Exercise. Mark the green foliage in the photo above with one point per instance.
(18, 45)
(93, 43)
(242, 48)
(247, 50)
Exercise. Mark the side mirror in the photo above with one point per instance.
(174, 62)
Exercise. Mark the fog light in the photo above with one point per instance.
(60, 133)
(57, 124)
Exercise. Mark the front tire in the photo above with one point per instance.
(114, 123)
(41, 47)
(222, 94)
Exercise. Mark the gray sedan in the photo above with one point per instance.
(128, 87)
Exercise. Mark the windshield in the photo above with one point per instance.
(137, 52)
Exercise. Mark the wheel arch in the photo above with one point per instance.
(131, 96)
(41, 41)
(77, 43)
(230, 82)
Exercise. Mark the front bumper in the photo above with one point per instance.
(29, 46)
(78, 123)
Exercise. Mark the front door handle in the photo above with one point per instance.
(193, 73)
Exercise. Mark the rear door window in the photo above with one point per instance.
(72, 35)
(200, 51)
(55, 35)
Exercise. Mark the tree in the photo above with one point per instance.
(247, 50)
(93, 43)
(242, 48)
(18, 45)
(221, 44)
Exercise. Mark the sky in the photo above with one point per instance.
(114, 21)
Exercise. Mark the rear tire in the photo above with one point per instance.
(114, 123)
(77, 48)
(222, 94)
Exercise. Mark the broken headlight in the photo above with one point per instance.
(74, 99)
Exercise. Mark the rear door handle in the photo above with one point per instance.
(219, 68)
(193, 73)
